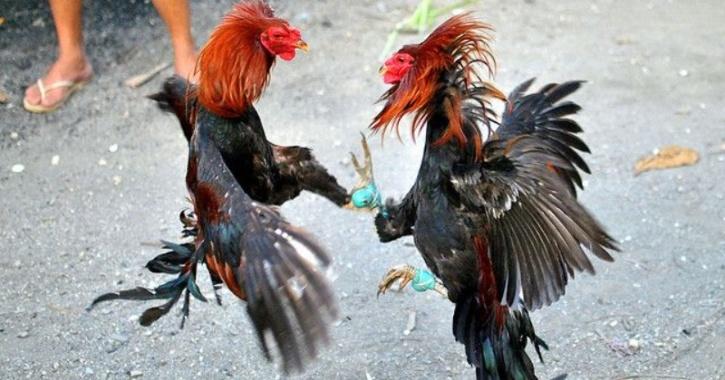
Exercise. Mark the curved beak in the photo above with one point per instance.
(383, 69)
(302, 45)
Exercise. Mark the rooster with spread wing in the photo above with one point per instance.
(494, 213)
(234, 174)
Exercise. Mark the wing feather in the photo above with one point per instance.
(539, 235)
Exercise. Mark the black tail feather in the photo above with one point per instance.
(496, 353)
(173, 261)
(181, 259)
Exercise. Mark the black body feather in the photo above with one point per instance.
(235, 178)
(269, 173)
(501, 227)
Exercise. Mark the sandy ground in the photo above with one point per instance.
(72, 230)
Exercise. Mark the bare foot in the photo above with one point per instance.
(73, 70)
(184, 65)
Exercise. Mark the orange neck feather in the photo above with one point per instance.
(457, 44)
(233, 66)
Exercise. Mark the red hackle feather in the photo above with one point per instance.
(233, 66)
(461, 41)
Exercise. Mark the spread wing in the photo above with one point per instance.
(523, 193)
(277, 267)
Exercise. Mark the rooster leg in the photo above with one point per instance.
(418, 278)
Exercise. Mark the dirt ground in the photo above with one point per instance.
(73, 229)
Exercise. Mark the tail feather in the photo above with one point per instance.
(498, 353)
(173, 261)
(288, 294)
(181, 259)
(175, 98)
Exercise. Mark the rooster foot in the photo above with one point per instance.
(364, 194)
(365, 171)
(419, 279)
(188, 220)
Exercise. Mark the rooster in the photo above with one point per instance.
(494, 213)
(235, 177)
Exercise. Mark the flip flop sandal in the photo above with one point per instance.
(40, 108)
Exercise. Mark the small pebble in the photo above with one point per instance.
(102, 162)
(683, 73)
(89, 371)
(119, 338)
(134, 373)
(18, 168)
(633, 344)
(23, 334)
(117, 180)
(55, 160)
(113, 148)
(14, 135)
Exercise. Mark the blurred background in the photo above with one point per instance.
(89, 189)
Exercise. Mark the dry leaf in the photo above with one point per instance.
(670, 156)
(4, 97)
(2, 20)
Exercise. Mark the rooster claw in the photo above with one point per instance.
(364, 172)
(403, 274)
(420, 279)
(364, 194)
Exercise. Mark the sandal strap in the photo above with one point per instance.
(57, 85)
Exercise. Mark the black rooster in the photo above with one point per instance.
(495, 218)
(234, 174)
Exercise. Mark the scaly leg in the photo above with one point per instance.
(418, 278)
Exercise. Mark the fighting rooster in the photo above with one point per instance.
(495, 215)
(233, 175)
